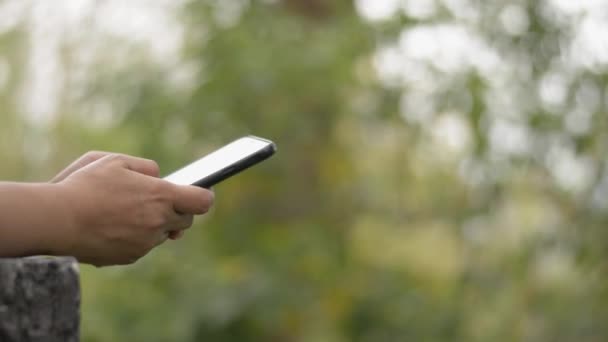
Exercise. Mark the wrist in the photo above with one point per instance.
(60, 237)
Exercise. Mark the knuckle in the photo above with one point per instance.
(159, 189)
(154, 168)
(116, 158)
(93, 155)
(187, 221)
(161, 195)
(156, 220)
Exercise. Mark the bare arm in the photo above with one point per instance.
(32, 216)
(104, 209)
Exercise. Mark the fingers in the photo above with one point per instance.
(144, 166)
(140, 165)
(81, 162)
(162, 238)
(192, 200)
(176, 234)
(176, 227)
(187, 199)
(181, 222)
(92, 156)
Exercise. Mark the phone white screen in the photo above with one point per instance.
(217, 161)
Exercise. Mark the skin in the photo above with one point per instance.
(104, 209)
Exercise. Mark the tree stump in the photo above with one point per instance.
(39, 299)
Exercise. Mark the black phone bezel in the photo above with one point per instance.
(237, 167)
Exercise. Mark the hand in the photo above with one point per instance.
(89, 158)
(121, 209)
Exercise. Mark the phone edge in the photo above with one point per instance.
(239, 166)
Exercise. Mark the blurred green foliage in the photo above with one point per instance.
(373, 222)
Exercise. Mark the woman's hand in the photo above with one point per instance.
(120, 209)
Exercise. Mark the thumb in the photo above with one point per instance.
(189, 199)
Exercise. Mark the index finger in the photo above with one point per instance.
(190, 199)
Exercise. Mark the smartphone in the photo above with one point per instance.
(224, 162)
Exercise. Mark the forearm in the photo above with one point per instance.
(33, 219)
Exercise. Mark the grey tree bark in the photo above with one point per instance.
(39, 299)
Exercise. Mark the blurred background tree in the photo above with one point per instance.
(442, 172)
